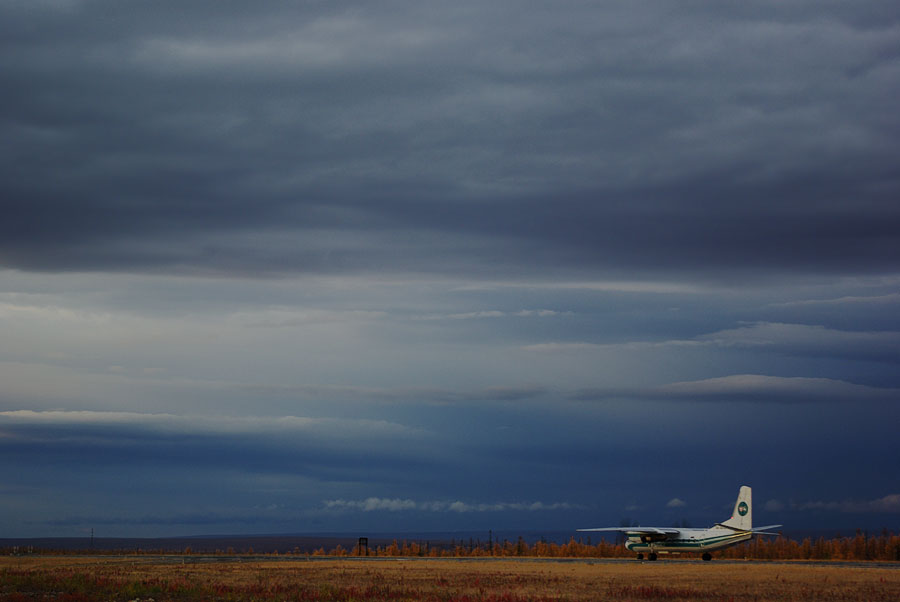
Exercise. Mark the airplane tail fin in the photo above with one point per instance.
(742, 515)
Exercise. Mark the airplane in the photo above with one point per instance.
(674, 540)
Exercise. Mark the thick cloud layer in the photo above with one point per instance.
(439, 138)
(431, 266)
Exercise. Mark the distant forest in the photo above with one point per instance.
(861, 547)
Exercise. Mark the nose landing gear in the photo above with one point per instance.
(706, 556)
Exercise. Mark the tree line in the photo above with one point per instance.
(862, 546)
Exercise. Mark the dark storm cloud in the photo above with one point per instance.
(326, 449)
(800, 340)
(847, 312)
(401, 395)
(753, 388)
(182, 519)
(810, 341)
(420, 137)
(452, 253)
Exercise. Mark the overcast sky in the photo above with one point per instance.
(407, 266)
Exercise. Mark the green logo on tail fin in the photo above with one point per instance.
(743, 508)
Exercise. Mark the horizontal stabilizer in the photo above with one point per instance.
(765, 531)
(757, 531)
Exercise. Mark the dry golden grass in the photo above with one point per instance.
(128, 578)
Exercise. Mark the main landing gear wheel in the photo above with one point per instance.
(707, 556)
(640, 556)
(651, 556)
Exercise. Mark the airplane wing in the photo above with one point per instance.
(665, 531)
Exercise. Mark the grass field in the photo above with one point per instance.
(72, 579)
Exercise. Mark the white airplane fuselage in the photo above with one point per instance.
(687, 540)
